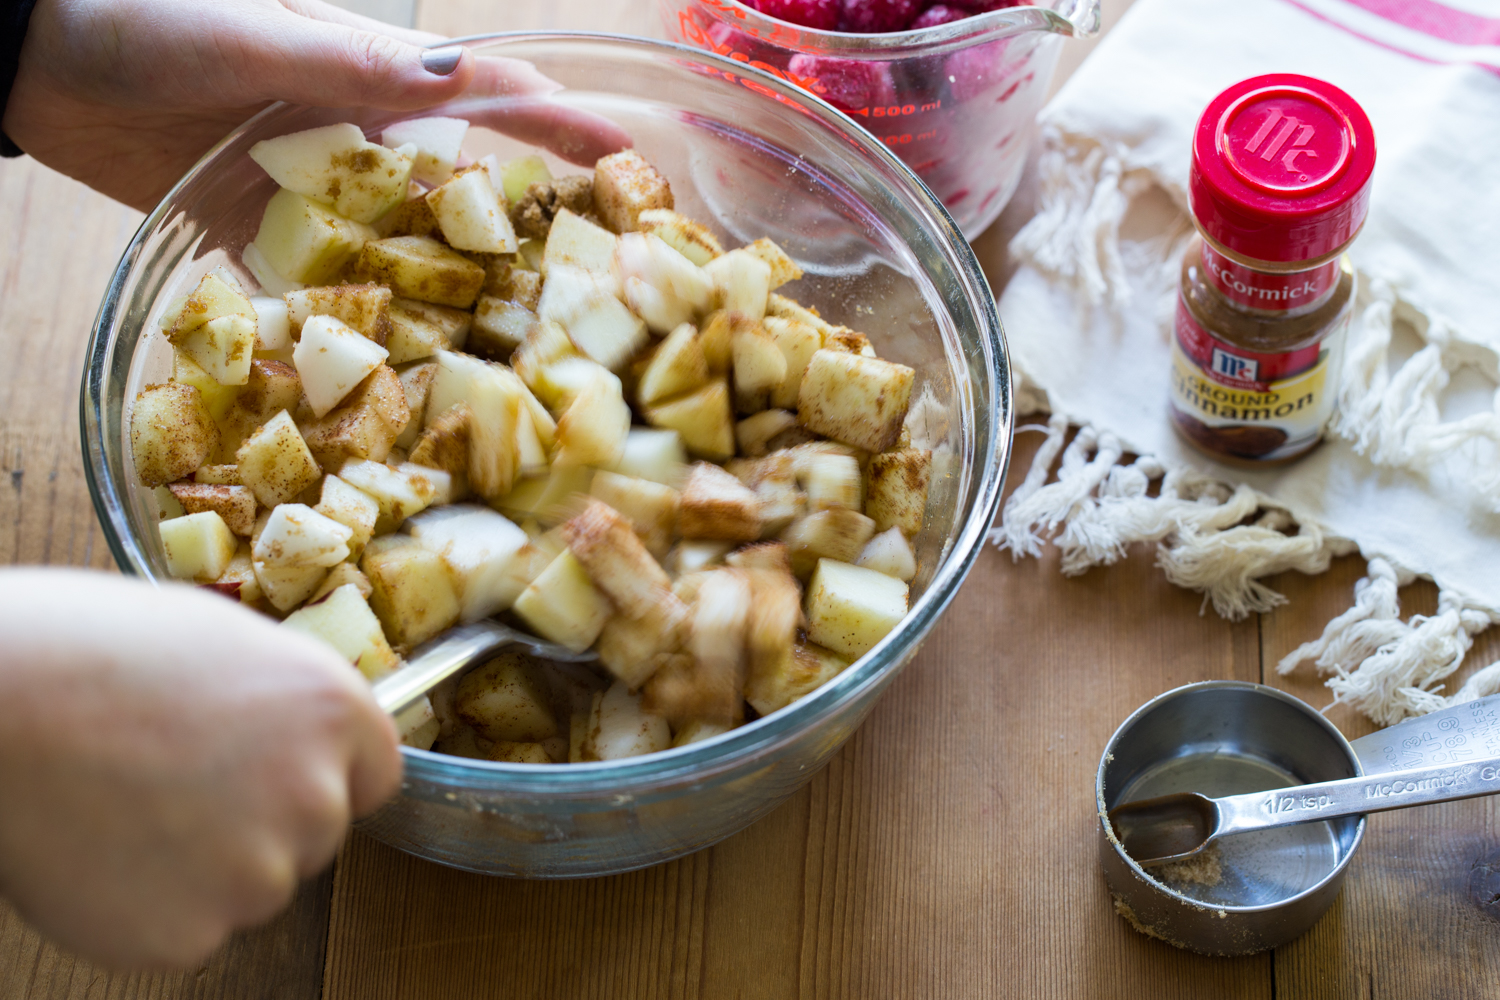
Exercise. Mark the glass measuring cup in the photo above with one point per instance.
(957, 102)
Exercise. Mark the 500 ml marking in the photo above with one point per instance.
(897, 110)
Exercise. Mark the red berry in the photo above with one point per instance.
(847, 83)
(938, 14)
(820, 14)
(874, 17)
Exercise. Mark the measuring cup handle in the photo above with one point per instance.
(1356, 796)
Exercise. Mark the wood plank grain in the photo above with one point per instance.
(1418, 916)
(948, 850)
(65, 241)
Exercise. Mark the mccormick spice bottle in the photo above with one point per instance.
(1279, 188)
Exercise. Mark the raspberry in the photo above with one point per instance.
(820, 14)
(939, 14)
(847, 83)
(873, 17)
(974, 71)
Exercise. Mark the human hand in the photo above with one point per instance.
(126, 95)
(170, 764)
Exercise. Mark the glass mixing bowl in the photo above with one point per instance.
(752, 156)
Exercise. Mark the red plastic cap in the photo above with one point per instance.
(1281, 168)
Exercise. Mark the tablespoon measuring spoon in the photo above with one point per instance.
(1173, 828)
(454, 651)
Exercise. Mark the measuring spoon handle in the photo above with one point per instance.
(1355, 796)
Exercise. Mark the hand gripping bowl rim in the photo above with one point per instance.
(740, 746)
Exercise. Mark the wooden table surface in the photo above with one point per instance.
(949, 849)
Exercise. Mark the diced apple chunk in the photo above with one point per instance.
(337, 166)
(890, 553)
(759, 367)
(418, 267)
(703, 419)
(833, 481)
(897, 489)
(693, 555)
(661, 286)
(625, 185)
(418, 725)
(850, 608)
(345, 574)
(365, 425)
(216, 326)
(275, 462)
(500, 326)
(598, 323)
(605, 542)
(306, 242)
(507, 699)
(298, 536)
(854, 399)
(471, 214)
(171, 433)
(235, 504)
(677, 366)
(412, 592)
(272, 282)
(783, 268)
(445, 443)
(353, 508)
(479, 547)
(198, 546)
(656, 455)
(332, 358)
(622, 728)
(238, 579)
(801, 671)
(285, 587)
(520, 173)
(741, 282)
(837, 533)
(399, 493)
(273, 330)
(439, 142)
(754, 431)
(594, 428)
(563, 604)
(575, 242)
(548, 500)
(346, 623)
(691, 239)
(364, 308)
(714, 504)
(651, 507)
(272, 386)
(797, 342)
(420, 329)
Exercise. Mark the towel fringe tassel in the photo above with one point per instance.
(1222, 542)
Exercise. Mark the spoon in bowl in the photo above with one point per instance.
(452, 652)
(1172, 828)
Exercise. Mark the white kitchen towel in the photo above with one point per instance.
(1410, 473)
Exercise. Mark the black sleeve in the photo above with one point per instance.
(15, 15)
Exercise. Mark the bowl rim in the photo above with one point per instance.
(743, 745)
(1081, 19)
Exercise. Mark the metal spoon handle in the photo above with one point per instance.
(1355, 796)
(439, 659)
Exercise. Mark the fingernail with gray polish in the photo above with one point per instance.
(442, 62)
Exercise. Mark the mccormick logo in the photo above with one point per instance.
(1288, 126)
(1235, 367)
